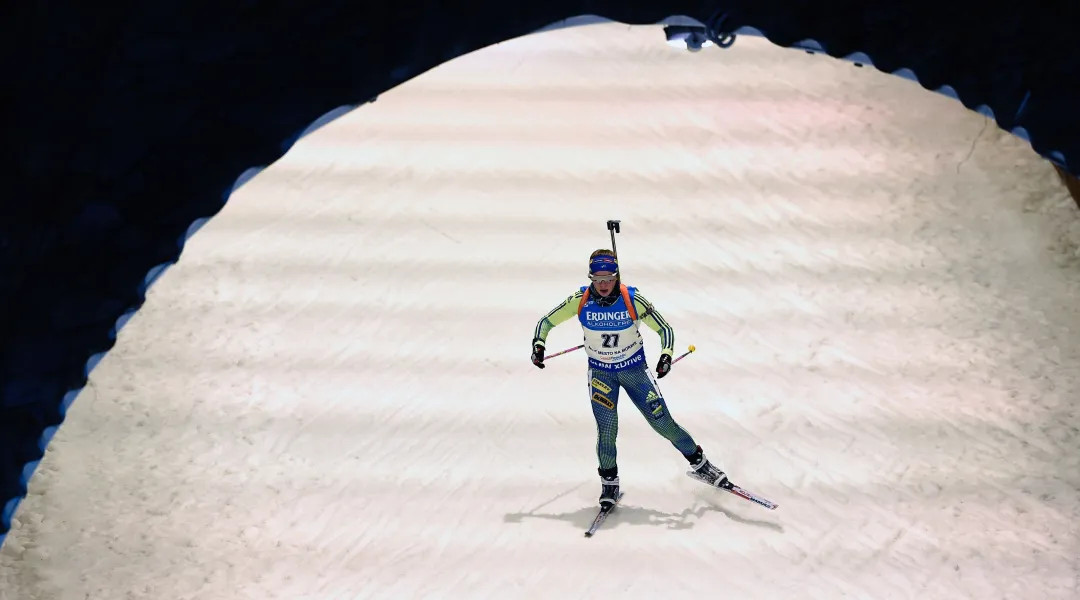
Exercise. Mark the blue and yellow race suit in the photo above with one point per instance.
(616, 360)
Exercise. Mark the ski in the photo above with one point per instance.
(601, 516)
(740, 492)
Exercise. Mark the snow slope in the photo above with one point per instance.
(330, 396)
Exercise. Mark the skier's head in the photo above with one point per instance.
(603, 272)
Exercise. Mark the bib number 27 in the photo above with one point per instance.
(611, 340)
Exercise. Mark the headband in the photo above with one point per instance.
(603, 263)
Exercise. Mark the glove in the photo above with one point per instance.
(538, 356)
(663, 366)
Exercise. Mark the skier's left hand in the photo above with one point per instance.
(663, 366)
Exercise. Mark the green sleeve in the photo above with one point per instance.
(648, 314)
(558, 315)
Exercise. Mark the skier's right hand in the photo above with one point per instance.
(538, 356)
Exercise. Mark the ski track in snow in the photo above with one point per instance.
(330, 395)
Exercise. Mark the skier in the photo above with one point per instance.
(610, 314)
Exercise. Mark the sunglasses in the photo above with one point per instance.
(603, 278)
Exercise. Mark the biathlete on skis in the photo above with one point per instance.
(610, 313)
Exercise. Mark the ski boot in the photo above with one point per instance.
(706, 472)
(609, 490)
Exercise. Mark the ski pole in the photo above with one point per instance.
(564, 351)
(685, 354)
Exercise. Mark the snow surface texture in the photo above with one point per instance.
(330, 396)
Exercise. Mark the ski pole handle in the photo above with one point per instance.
(685, 354)
(564, 351)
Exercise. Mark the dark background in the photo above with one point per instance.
(126, 122)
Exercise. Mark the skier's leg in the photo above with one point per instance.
(643, 390)
(604, 393)
(645, 393)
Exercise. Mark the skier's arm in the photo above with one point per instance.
(558, 315)
(647, 314)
